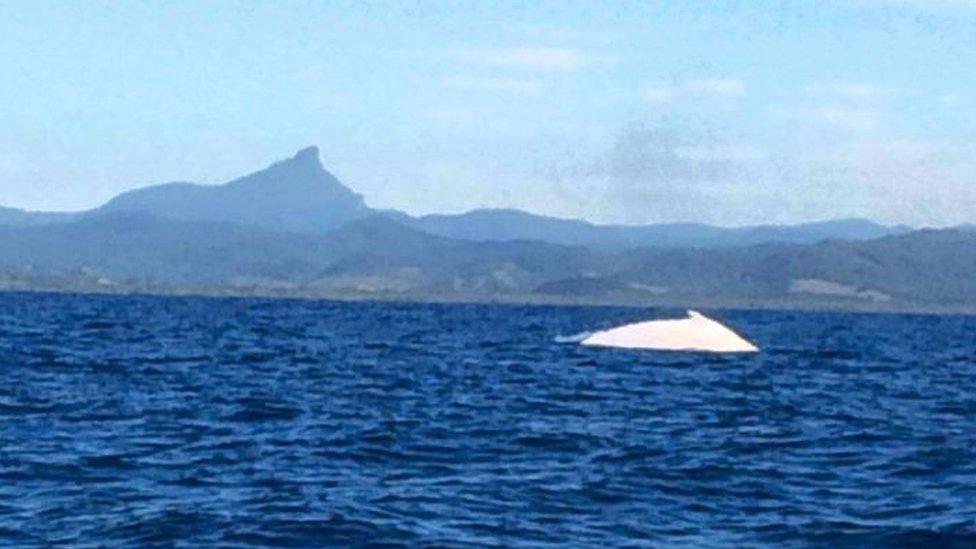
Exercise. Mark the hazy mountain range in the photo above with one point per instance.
(294, 229)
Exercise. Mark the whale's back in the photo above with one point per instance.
(697, 332)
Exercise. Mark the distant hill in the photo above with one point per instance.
(380, 258)
(293, 229)
(366, 255)
(503, 224)
(299, 195)
(13, 217)
(918, 269)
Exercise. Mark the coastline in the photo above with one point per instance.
(515, 300)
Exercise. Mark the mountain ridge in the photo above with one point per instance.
(378, 258)
(298, 194)
(292, 229)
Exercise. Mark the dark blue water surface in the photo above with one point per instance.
(144, 421)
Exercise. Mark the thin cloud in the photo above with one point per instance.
(717, 86)
(518, 86)
(662, 92)
(538, 59)
(860, 91)
(445, 116)
(657, 92)
(673, 170)
(721, 152)
(843, 117)
(927, 3)
(850, 118)
(948, 99)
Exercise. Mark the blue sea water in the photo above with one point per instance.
(165, 421)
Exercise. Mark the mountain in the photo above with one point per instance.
(14, 217)
(297, 195)
(376, 257)
(925, 268)
(506, 224)
(293, 229)
(372, 256)
(145, 247)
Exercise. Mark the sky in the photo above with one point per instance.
(726, 112)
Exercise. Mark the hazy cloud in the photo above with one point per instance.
(689, 170)
(665, 171)
(892, 179)
(539, 59)
(927, 3)
(524, 86)
(859, 91)
(851, 118)
(717, 86)
(663, 155)
(451, 117)
(838, 116)
(662, 92)
(722, 152)
(949, 99)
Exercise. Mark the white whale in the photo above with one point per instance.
(695, 333)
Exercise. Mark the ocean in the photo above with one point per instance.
(170, 421)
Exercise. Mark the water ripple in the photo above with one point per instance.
(142, 421)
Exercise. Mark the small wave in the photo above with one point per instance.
(575, 338)
(358, 424)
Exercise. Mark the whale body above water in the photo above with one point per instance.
(695, 333)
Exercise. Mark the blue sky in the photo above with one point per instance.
(724, 112)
